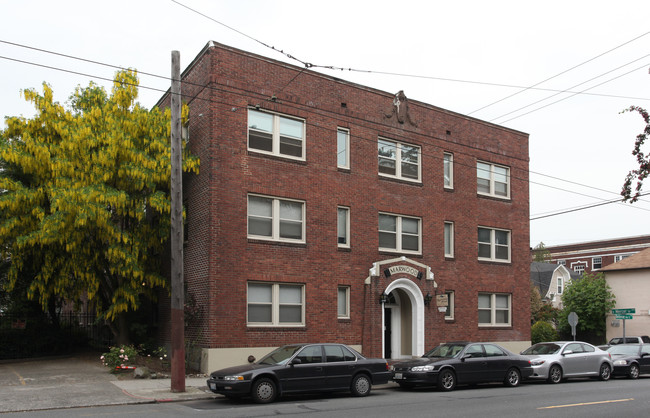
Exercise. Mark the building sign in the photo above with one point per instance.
(442, 300)
(404, 269)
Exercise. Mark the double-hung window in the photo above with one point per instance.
(493, 180)
(449, 313)
(494, 309)
(342, 148)
(276, 304)
(343, 227)
(449, 239)
(596, 263)
(493, 244)
(343, 299)
(399, 160)
(276, 219)
(448, 168)
(276, 134)
(560, 286)
(399, 234)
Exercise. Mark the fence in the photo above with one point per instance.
(30, 336)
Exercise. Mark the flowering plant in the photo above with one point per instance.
(119, 357)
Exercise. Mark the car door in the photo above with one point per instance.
(472, 366)
(305, 371)
(574, 361)
(644, 359)
(340, 365)
(497, 361)
(593, 359)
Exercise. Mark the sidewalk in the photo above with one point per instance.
(159, 390)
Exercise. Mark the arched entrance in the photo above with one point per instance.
(403, 320)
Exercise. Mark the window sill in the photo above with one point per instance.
(262, 154)
(499, 326)
(417, 183)
(495, 198)
(495, 262)
(389, 252)
(344, 249)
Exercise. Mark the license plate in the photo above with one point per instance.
(398, 375)
(213, 386)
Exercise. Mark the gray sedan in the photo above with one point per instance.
(555, 361)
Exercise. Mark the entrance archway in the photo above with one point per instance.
(403, 320)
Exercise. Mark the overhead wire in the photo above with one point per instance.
(164, 91)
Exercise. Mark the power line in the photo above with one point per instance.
(322, 110)
(582, 208)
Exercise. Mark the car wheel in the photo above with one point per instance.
(555, 374)
(446, 380)
(361, 385)
(634, 371)
(605, 372)
(264, 390)
(513, 377)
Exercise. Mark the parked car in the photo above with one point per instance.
(644, 339)
(301, 368)
(555, 361)
(630, 360)
(460, 363)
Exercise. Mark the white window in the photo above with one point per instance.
(448, 170)
(493, 309)
(596, 263)
(276, 219)
(343, 148)
(579, 268)
(449, 239)
(275, 134)
(560, 285)
(344, 302)
(449, 313)
(399, 233)
(399, 160)
(493, 180)
(343, 228)
(276, 304)
(561, 262)
(493, 244)
(618, 258)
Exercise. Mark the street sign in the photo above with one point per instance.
(623, 311)
(573, 321)
(624, 317)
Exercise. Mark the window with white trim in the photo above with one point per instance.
(618, 258)
(399, 233)
(493, 180)
(448, 164)
(276, 304)
(276, 219)
(494, 309)
(579, 268)
(449, 239)
(596, 263)
(560, 285)
(449, 313)
(493, 244)
(276, 134)
(561, 262)
(343, 301)
(399, 160)
(343, 148)
(343, 227)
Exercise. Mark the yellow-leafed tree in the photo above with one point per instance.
(84, 198)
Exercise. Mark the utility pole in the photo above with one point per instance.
(178, 296)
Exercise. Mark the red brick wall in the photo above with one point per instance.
(220, 259)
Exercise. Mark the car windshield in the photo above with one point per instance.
(623, 349)
(446, 351)
(542, 348)
(280, 355)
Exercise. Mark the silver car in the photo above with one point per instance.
(555, 361)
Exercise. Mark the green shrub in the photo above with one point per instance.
(542, 331)
(122, 356)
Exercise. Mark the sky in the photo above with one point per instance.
(561, 71)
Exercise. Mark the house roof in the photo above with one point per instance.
(640, 260)
(541, 275)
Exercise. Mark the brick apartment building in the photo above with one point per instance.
(591, 256)
(329, 211)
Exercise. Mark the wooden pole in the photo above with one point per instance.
(177, 302)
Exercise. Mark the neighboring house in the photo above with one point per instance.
(592, 256)
(551, 280)
(329, 211)
(629, 280)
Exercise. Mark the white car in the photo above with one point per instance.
(555, 361)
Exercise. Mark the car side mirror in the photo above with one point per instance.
(296, 361)
(466, 356)
(567, 352)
